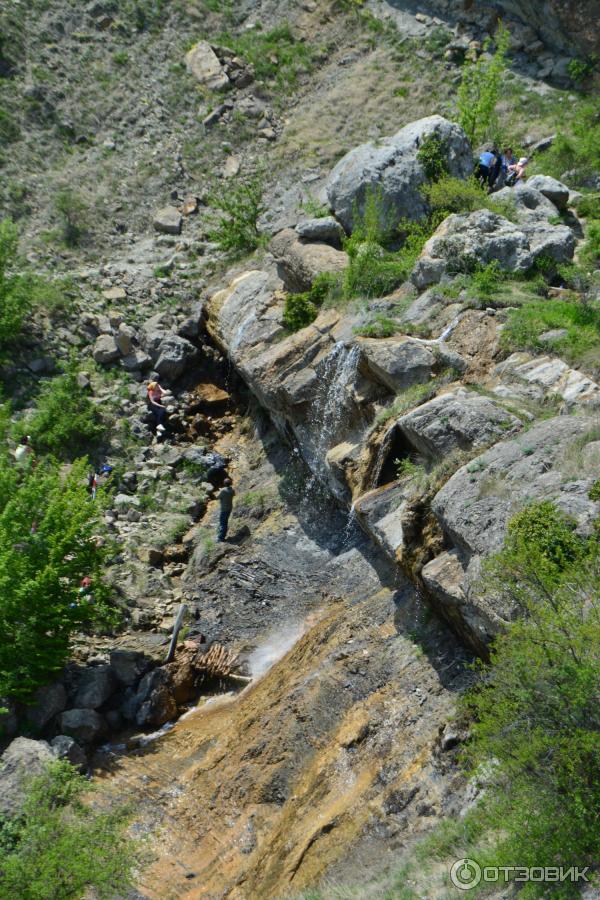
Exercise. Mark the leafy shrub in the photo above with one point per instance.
(487, 280)
(372, 271)
(302, 309)
(594, 491)
(59, 847)
(433, 156)
(65, 423)
(236, 231)
(72, 213)
(452, 195)
(47, 526)
(580, 69)
(480, 90)
(536, 710)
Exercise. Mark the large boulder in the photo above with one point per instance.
(22, 759)
(65, 747)
(203, 63)
(85, 725)
(475, 505)
(105, 350)
(47, 702)
(401, 362)
(555, 191)
(392, 168)
(464, 241)
(325, 229)
(457, 420)
(548, 462)
(95, 685)
(538, 377)
(154, 699)
(175, 354)
(299, 262)
(129, 665)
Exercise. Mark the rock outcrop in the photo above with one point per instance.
(393, 172)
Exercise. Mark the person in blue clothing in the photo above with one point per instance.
(489, 168)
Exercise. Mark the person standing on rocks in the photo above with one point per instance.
(226, 495)
(155, 393)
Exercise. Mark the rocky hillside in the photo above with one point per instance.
(268, 207)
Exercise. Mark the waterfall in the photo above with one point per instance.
(448, 330)
(337, 373)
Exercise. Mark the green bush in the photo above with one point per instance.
(580, 69)
(536, 732)
(47, 526)
(302, 309)
(235, 230)
(452, 195)
(59, 847)
(65, 423)
(9, 129)
(433, 156)
(72, 212)
(588, 206)
(480, 90)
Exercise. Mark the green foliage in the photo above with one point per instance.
(372, 271)
(594, 491)
(536, 709)
(580, 69)
(577, 149)
(589, 206)
(47, 525)
(276, 55)
(407, 399)
(143, 15)
(60, 848)
(452, 195)
(72, 213)
(437, 39)
(433, 156)
(590, 252)
(65, 423)
(236, 231)
(486, 280)
(480, 90)
(302, 309)
(580, 320)
(406, 468)
(380, 326)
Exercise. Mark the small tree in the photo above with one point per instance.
(235, 230)
(59, 847)
(73, 213)
(47, 546)
(480, 89)
(537, 710)
(65, 423)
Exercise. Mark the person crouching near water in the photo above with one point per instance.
(226, 495)
(154, 394)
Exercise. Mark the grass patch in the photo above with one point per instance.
(276, 55)
(235, 228)
(580, 320)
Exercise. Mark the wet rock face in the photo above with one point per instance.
(393, 169)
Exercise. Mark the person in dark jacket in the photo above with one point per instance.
(226, 495)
